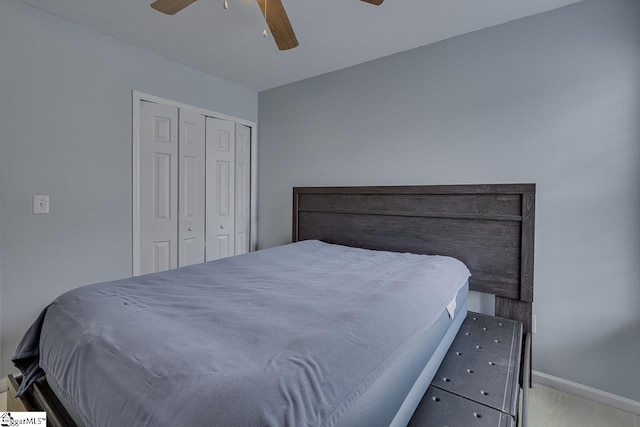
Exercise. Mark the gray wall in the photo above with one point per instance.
(552, 99)
(65, 131)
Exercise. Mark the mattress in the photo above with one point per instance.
(392, 399)
(286, 336)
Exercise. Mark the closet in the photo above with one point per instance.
(193, 188)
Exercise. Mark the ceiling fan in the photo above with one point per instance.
(273, 11)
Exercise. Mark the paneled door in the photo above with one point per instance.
(192, 177)
(220, 192)
(191, 184)
(158, 187)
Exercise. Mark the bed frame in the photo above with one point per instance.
(488, 227)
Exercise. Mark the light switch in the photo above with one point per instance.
(40, 204)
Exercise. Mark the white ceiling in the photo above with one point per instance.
(333, 34)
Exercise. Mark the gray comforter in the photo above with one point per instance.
(288, 336)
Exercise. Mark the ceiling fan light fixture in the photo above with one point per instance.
(277, 22)
(264, 32)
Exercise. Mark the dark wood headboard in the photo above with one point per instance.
(488, 227)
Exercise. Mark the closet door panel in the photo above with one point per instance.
(220, 188)
(158, 187)
(191, 225)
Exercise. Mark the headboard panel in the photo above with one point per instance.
(488, 227)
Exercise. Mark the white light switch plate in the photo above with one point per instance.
(40, 204)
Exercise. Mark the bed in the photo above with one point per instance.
(489, 228)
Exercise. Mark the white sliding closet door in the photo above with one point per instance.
(191, 184)
(220, 192)
(243, 186)
(158, 187)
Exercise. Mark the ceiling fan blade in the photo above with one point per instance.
(279, 24)
(376, 2)
(170, 7)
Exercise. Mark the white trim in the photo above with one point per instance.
(135, 174)
(253, 227)
(137, 97)
(587, 392)
(3, 385)
(141, 96)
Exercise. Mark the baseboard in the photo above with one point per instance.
(3, 385)
(587, 392)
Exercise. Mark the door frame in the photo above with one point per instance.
(138, 97)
